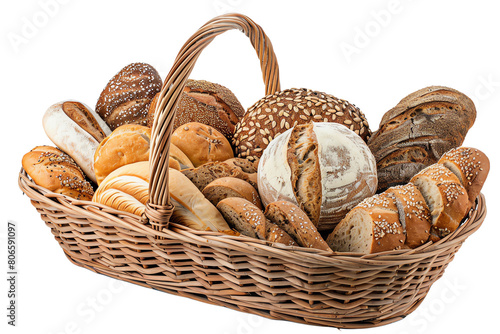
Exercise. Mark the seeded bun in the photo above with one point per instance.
(281, 111)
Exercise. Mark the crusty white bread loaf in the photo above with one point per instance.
(445, 196)
(226, 187)
(371, 226)
(414, 214)
(243, 216)
(77, 130)
(127, 144)
(471, 166)
(295, 222)
(201, 143)
(324, 168)
(56, 171)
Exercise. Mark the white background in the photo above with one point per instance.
(54, 50)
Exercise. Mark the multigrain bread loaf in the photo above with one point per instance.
(226, 187)
(295, 222)
(127, 144)
(418, 130)
(324, 168)
(445, 196)
(127, 96)
(77, 130)
(276, 113)
(471, 166)
(276, 234)
(56, 171)
(370, 227)
(208, 103)
(201, 143)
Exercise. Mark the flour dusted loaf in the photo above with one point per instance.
(56, 171)
(324, 168)
(127, 96)
(418, 130)
(276, 113)
(77, 130)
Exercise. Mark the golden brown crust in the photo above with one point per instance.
(56, 171)
(127, 96)
(84, 118)
(125, 145)
(227, 187)
(276, 113)
(201, 143)
(276, 234)
(243, 216)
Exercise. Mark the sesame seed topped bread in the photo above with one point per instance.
(243, 216)
(414, 214)
(418, 130)
(295, 222)
(56, 171)
(276, 234)
(127, 96)
(471, 166)
(371, 226)
(445, 196)
(276, 113)
(226, 187)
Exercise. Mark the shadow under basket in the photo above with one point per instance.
(303, 285)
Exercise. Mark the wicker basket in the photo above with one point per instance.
(280, 282)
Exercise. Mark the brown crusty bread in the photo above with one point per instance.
(371, 226)
(471, 166)
(414, 214)
(295, 222)
(243, 216)
(226, 187)
(278, 112)
(276, 234)
(418, 130)
(445, 196)
(56, 171)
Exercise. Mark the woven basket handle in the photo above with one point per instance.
(159, 208)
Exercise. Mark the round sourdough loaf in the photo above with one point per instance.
(324, 168)
(276, 113)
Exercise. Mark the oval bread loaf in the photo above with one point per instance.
(226, 187)
(243, 216)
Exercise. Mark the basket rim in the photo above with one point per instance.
(220, 240)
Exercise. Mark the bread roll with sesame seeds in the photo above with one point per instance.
(243, 216)
(445, 196)
(295, 222)
(276, 113)
(56, 171)
(275, 234)
(226, 187)
(471, 166)
(372, 226)
(201, 143)
(127, 96)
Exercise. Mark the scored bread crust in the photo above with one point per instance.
(243, 216)
(471, 166)
(226, 187)
(295, 222)
(445, 196)
(372, 226)
(302, 157)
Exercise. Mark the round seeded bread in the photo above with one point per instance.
(281, 111)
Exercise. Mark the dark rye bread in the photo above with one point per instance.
(303, 159)
(276, 113)
(127, 96)
(418, 130)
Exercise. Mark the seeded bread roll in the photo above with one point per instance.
(125, 145)
(208, 103)
(127, 96)
(295, 222)
(418, 130)
(445, 196)
(226, 187)
(414, 214)
(56, 171)
(201, 143)
(276, 113)
(243, 216)
(276, 234)
(77, 130)
(371, 226)
(471, 166)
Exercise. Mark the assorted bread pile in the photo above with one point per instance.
(299, 168)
